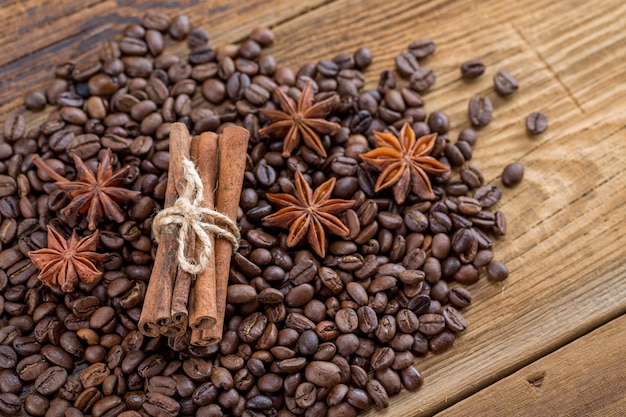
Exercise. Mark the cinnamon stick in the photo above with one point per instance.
(156, 312)
(183, 281)
(204, 311)
(232, 144)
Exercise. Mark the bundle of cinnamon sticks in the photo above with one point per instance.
(176, 300)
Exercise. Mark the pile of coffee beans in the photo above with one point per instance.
(304, 336)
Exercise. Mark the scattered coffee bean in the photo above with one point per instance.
(472, 69)
(536, 123)
(480, 110)
(512, 174)
(504, 83)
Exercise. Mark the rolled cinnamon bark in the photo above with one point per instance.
(183, 280)
(203, 313)
(156, 314)
(233, 144)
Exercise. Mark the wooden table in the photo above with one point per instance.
(551, 340)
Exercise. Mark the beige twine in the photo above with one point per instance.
(188, 213)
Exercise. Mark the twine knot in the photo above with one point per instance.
(187, 213)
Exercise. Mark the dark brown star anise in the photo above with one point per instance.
(305, 121)
(309, 214)
(94, 195)
(404, 163)
(64, 262)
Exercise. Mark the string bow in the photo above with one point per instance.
(187, 213)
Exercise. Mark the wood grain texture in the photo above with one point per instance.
(584, 378)
(566, 241)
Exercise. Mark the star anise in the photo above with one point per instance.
(64, 262)
(305, 121)
(309, 213)
(404, 163)
(94, 195)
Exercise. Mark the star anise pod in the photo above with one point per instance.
(404, 163)
(305, 121)
(94, 195)
(64, 262)
(309, 214)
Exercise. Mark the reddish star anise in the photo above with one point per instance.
(305, 121)
(404, 163)
(64, 262)
(309, 213)
(94, 195)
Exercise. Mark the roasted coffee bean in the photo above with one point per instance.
(377, 393)
(472, 69)
(51, 380)
(454, 319)
(422, 48)
(94, 375)
(480, 110)
(438, 122)
(57, 356)
(411, 378)
(422, 79)
(322, 374)
(505, 83)
(536, 123)
(8, 357)
(35, 101)
(459, 297)
(14, 127)
(31, 367)
(160, 405)
(512, 174)
(347, 320)
(406, 64)
(472, 176)
(10, 404)
(497, 271)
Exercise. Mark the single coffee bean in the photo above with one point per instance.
(14, 127)
(497, 271)
(51, 380)
(377, 393)
(10, 404)
(454, 319)
(421, 48)
(322, 374)
(406, 64)
(35, 101)
(422, 79)
(411, 378)
(505, 83)
(480, 110)
(536, 123)
(472, 69)
(512, 174)
(438, 122)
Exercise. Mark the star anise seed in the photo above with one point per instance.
(305, 121)
(64, 262)
(93, 195)
(404, 163)
(309, 214)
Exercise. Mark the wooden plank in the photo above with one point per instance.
(585, 378)
(29, 52)
(585, 53)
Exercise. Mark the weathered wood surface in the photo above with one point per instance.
(584, 378)
(566, 241)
